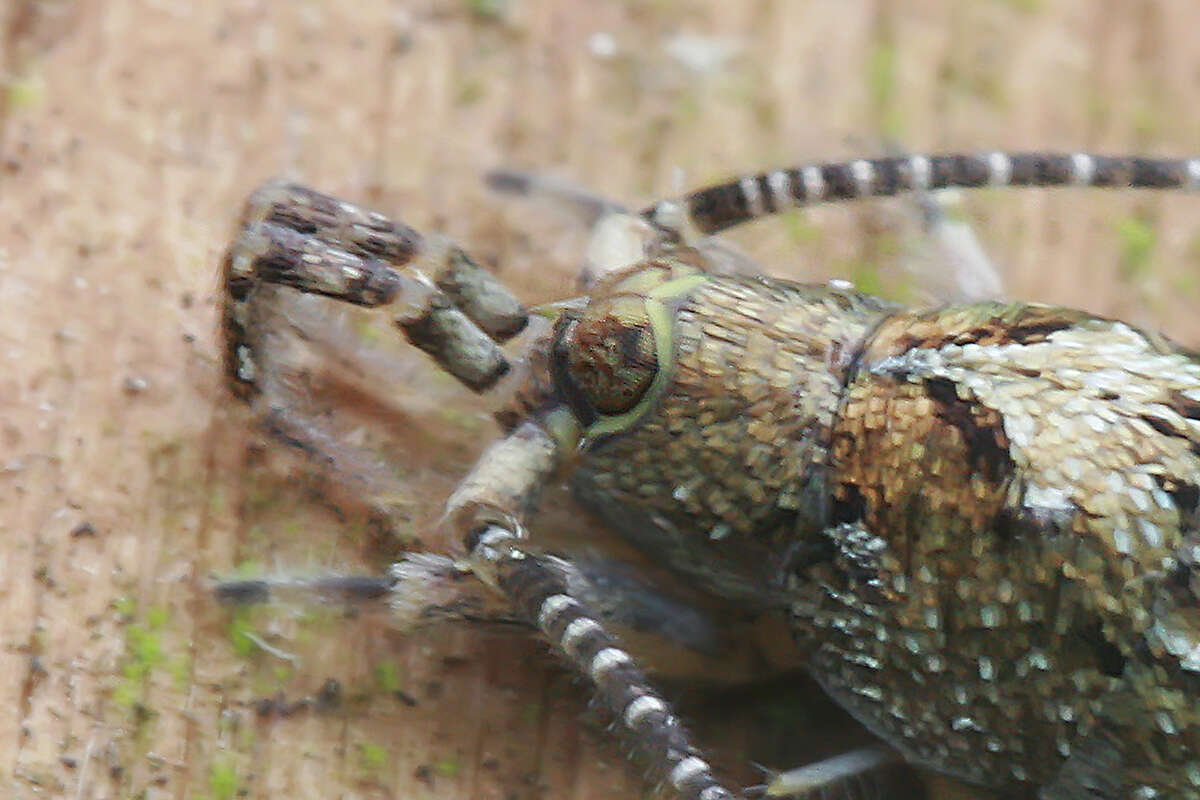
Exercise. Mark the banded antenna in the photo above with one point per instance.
(725, 205)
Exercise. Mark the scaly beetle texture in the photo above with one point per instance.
(981, 519)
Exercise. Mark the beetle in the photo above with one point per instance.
(981, 518)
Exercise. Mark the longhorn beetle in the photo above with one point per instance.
(982, 517)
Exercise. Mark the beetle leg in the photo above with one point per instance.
(866, 772)
(446, 304)
(296, 247)
(950, 262)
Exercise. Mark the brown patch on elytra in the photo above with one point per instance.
(1007, 324)
(1183, 405)
(904, 453)
(986, 444)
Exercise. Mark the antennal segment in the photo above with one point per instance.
(725, 205)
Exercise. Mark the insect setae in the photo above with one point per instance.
(982, 517)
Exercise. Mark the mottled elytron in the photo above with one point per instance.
(983, 517)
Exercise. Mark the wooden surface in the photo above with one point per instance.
(132, 129)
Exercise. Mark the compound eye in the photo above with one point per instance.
(610, 354)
